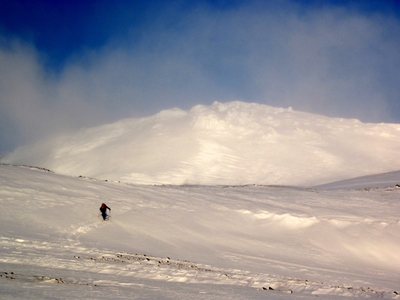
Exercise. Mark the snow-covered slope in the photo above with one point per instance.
(365, 182)
(231, 143)
(194, 242)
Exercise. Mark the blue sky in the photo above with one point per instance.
(72, 64)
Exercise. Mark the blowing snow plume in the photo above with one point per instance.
(232, 143)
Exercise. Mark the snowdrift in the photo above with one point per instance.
(232, 143)
(369, 181)
(194, 242)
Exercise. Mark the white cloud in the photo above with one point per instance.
(329, 61)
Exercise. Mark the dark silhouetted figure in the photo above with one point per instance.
(103, 210)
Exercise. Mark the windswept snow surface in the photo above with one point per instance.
(376, 180)
(225, 143)
(194, 242)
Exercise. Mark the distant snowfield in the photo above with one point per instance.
(374, 181)
(226, 143)
(195, 242)
(209, 203)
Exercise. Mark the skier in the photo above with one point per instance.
(103, 210)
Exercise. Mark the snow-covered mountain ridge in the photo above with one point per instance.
(225, 143)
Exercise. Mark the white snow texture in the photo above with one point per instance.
(229, 216)
(226, 143)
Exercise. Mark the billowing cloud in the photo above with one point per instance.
(327, 60)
